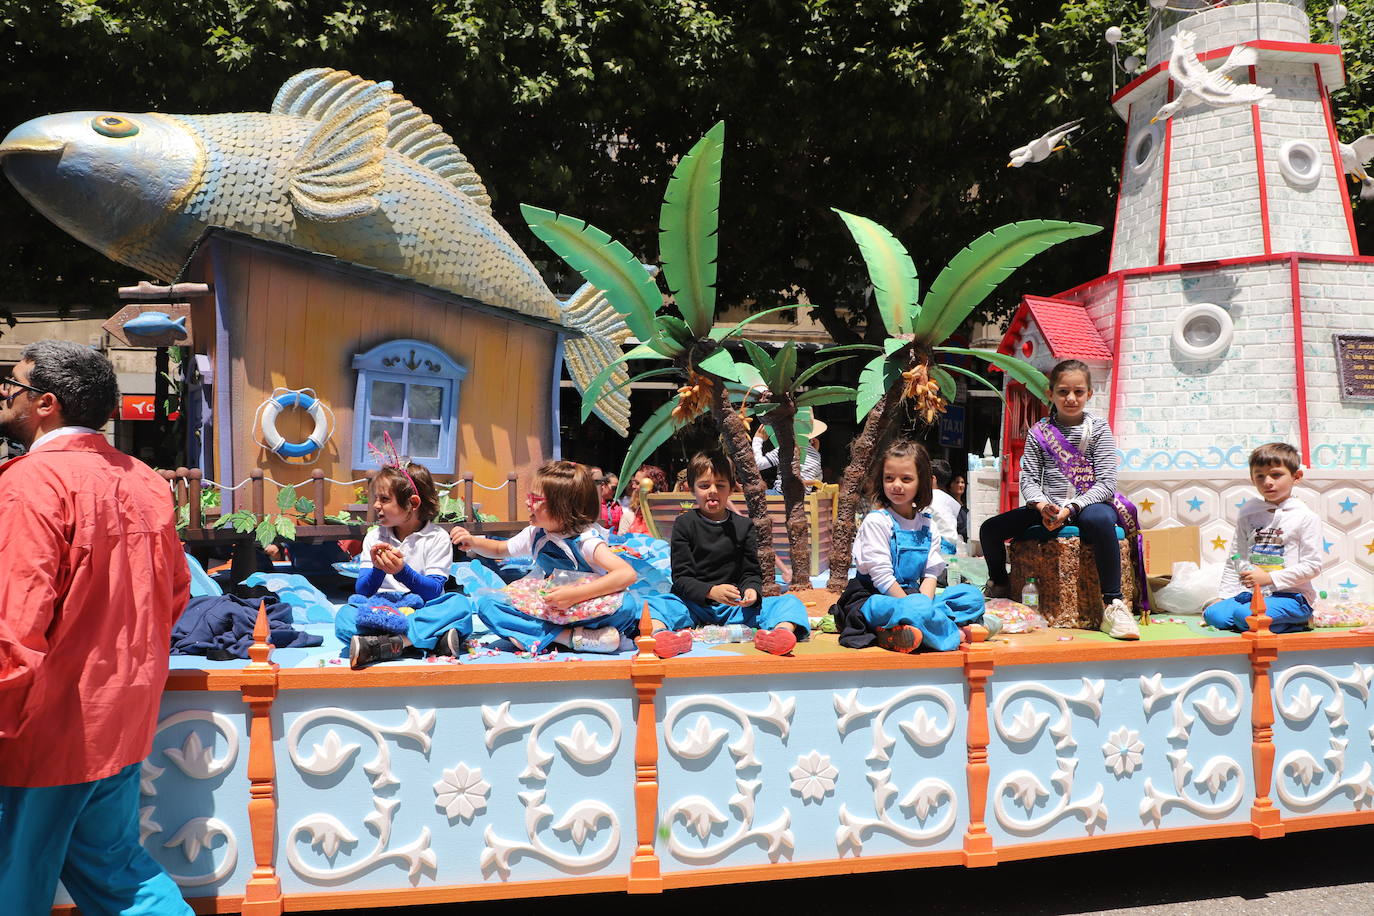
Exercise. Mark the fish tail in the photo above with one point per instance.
(603, 330)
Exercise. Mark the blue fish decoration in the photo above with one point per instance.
(155, 324)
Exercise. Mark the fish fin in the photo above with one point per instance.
(412, 133)
(338, 172)
(604, 333)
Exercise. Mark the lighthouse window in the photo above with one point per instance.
(1203, 331)
(1300, 164)
(1144, 148)
(408, 390)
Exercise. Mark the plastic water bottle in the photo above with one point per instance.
(953, 574)
(1030, 596)
(1343, 596)
(715, 633)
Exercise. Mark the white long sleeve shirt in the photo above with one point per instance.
(873, 546)
(1285, 540)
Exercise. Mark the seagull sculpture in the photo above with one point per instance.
(1040, 148)
(1354, 157)
(1197, 85)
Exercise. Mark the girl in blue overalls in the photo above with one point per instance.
(891, 602)
(563, 508)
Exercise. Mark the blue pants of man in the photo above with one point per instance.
(1288, 612)
(450, 611)
(535, 635)
(938, 618)
(678, 614)
(88, 835)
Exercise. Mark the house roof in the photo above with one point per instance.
(1066, 326)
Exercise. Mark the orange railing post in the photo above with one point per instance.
(262, 896)
(1266, 820)
(646, 670)
(978, 665)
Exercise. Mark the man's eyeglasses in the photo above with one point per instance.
(9, 382)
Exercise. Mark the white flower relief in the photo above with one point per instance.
(462, 792)
(1123, 751)
(813, 777)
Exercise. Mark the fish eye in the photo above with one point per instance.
(113, 126)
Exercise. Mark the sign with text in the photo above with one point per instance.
(137, 407)
(952, 427)
(1355, 366)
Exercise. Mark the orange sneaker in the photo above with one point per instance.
(901, 638)
(668, 643)
(777, 641)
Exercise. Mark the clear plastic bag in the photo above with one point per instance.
(527, 595)
(1015, 616)
(1190, 589)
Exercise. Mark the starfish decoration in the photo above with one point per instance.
(1218, 543)
(1347, 505)
(1195, 504)
(1147, 505)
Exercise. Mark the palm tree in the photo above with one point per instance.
(905, 370)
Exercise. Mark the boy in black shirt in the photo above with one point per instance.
(716, 577)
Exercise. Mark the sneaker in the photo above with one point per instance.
(997, 589)
(777, 641)
(369, 650)
(1118, 622)
(901, 638)
(450, 643)
(602, 640)
(668, 643)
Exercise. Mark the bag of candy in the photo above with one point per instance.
(528, 596)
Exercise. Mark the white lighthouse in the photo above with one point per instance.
(1236, 309)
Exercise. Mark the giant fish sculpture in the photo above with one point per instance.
(340, 165)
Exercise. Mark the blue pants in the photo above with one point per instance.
(88, 835)
(1096, 526)
(535, 635)
(450, 611)
(1288, 612)
(938, 618)
(678, 614)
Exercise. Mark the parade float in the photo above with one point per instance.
(289, 782)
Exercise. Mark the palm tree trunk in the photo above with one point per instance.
(861, 450)
(750, 481)
(793, 497)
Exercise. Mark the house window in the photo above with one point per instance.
(410, 390)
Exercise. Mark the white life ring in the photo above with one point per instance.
(305, 399)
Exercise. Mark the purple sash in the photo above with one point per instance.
(1079, 472)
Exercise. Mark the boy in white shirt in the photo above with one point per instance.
(1278, 543)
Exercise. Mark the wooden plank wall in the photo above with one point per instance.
(298, 323)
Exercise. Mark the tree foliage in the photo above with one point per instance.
(900, 110)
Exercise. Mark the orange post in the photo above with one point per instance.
(646, 671)
(262, 896)
(1265, 819)
(978, 665)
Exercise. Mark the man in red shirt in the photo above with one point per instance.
(92, 577)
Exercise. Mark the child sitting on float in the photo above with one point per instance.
(405, 563)
(1068, 475)
(562, 535)
(716, 574)
(891, 602)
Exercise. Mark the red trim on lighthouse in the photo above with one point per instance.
(1120, 187)
(1299, 367)
(1336, 158)
(1259, 170)
(1116, 350)
(1164, 195)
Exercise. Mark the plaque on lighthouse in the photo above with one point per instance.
(1355, 366)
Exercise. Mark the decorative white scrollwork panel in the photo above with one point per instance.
(1323, 735)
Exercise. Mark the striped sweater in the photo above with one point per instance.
(1041, 480)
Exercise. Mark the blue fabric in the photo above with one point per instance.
(678, 614)
(910, 550)
(534, 634)
(449, 611)
(308, 603)
(87, 834)
(201, 583)
(1041, 533)
(1288, 612)
(369, 580)
(937, 618)
(221, 626)
(426, 587)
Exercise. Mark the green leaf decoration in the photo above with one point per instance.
(655, 431)
(746, 384)
(676, 330)
(785, 367)
(977, 270)
(819, 368)
(286, 498)
(893, 344)
(890, 270)
(854, 349)
(266, 531)
(948, 388)
(286, 527)
(974, 376)
(761, 360)
(602, 262)
(831, 394)
(1020, 370)
(593, 392)
(874, 381)
(727, 333)
(688, 222)
(720, 364)
(645, 376)
(304, 505)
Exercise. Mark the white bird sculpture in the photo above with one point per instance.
(1041, 147)
(1354, 157)
(1197, 85)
